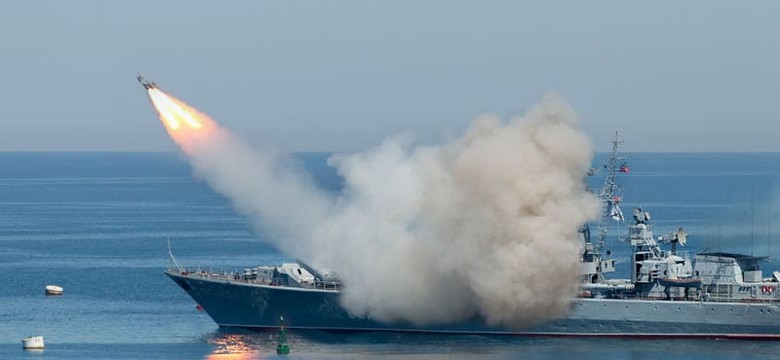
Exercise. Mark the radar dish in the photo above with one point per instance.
(681, 236)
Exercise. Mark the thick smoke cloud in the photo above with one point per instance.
(480, 226)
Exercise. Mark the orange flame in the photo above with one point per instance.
(177, 116)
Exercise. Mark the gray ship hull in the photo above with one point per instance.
(254, 306)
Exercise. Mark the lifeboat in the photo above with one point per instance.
(53, 290)
(33, 343)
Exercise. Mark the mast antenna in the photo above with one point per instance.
(752, 220)
(720, 228)
(610, 190)
(769, 220)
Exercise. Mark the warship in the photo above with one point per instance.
(669, 294)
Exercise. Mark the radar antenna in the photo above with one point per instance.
(681, 236)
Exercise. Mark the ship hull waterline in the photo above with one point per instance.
(259, 307)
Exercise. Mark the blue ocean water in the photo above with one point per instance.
(96, 224)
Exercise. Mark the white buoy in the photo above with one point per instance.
(33, 343)
(53, 290)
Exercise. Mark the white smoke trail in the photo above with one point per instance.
(484, 225)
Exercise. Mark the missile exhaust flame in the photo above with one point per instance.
(173, 113)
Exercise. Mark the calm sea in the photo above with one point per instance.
(96, 224)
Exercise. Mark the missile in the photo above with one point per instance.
(148, 85)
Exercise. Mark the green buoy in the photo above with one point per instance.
(282, 348)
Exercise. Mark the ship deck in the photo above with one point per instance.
(239, 278)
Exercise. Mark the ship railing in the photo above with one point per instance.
(327, 285)
(232, 276)
(242, 277)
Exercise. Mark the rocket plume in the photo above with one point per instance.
(480, 227)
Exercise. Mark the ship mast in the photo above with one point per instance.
(610, 190)
(593, 263)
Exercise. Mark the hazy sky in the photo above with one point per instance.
(342, 75)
